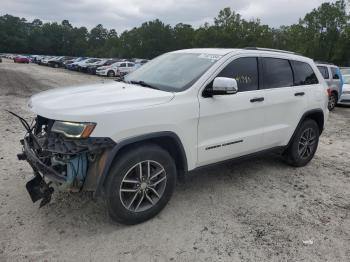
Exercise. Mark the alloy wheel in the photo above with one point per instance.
(143, 186)
(307, 143)
(332, 101)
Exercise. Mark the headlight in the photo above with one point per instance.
(72, 129)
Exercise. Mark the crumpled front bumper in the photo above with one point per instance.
(38, 166)
(70, 164)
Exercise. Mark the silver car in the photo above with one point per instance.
(331, 73)
(345, 96)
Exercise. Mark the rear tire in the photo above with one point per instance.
(304, 144)
(332, 102)
(134, 196)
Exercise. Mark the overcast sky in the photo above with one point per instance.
(125, 14)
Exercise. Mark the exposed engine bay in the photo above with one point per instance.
(58, 160)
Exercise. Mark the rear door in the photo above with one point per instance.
(285, 101)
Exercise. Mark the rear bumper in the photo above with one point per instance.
(344, 99)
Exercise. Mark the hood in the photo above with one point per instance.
(85, 103)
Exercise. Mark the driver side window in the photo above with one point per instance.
(245, 71)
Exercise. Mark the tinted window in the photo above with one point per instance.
(245, 71)
(123, 65)
(335, 73)
(303, 74)
(324, 71)
(277, 73)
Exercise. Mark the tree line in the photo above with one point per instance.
(323, 34)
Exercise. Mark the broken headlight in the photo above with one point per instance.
(73, 129)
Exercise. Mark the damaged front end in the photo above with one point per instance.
(69, 163)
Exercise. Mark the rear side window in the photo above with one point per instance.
(277, 73)
(245, 71)
(324, 71)
(303, 74)
(335, 73)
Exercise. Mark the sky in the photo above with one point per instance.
(126, 14)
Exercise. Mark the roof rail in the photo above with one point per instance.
(271, 50)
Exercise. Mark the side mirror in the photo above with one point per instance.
(222, 86)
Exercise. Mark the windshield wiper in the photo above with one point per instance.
(144, 84)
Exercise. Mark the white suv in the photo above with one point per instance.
(130, 141)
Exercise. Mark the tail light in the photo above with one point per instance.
(329, 92)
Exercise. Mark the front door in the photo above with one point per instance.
(232, 125)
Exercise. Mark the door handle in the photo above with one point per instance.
(299, 94)
(258, 99)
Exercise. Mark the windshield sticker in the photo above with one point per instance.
(210, 57)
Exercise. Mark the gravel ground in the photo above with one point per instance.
(256, 210)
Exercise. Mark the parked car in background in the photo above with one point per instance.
(331, 73)
(140, 62)
(46, 59)
(21, 59)
(36, 58)
(345, 96)
(71, 61)
(91, 69)
(76, 66)
(345, 70)
(58, 61)
(116, 69)
(82, 67)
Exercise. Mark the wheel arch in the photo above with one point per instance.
(166, 139)
(336, 93)
(314, 114)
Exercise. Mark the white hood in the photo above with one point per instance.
(87, 103)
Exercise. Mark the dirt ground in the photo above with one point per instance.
(256, 210)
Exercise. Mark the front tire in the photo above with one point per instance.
(110, 73)
(332, 102)
(304, 144)
(140, 184)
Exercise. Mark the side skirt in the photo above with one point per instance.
(276, 150)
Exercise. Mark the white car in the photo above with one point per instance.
(345, 96)
(129, 141)
(116, 69)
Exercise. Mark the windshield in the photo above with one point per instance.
(173, 72)
(346, 79)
